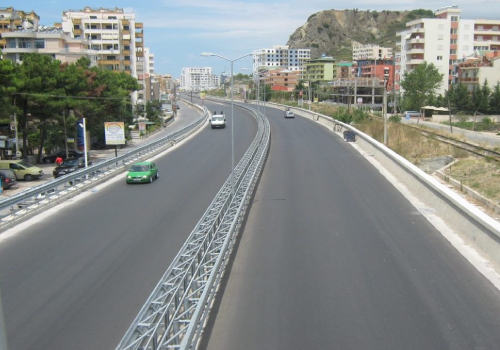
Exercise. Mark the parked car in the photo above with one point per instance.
(73, 153)
(142, 172)
(289, 114)
(23, 170)
(8, 178)
(411, 114)
(69, 165)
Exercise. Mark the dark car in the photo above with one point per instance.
(8, 178)
(73, 153)
(69, 165)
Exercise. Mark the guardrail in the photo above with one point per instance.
(174, 315)
(31, 201)
(480, 229)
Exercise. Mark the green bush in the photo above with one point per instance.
(395, 118)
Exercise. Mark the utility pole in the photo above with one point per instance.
(65, 134)
(386, 79)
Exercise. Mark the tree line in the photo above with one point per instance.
(420, 87)
(48, 97)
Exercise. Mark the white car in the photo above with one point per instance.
(289, 114)
(218, 121)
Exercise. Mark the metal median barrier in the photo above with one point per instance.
(174, 315)
(27, 203)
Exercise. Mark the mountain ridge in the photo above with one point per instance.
(332, 32)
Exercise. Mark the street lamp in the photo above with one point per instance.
(207, 54)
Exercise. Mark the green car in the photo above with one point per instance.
(142, 172)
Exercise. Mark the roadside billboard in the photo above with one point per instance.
(114, 133)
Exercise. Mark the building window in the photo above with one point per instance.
(24, 44)
(454, 18)
(453, 52)
(440, 47)
(440, 36)
(76, 26)
(439, 58)
(39, 43)
(453, 41)
(453, 31)
(11, 43)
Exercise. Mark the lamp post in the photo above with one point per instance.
(384, 108)
(208, 54)
(83, 126)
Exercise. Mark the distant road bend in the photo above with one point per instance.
(332, 256)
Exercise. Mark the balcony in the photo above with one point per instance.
(108, 62)
(19, 50)
(415, 61)
(486, 32)
(469, 80)
(415, 51)
(417, 30)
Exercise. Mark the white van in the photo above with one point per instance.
(218, 121)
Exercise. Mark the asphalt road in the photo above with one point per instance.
(332, 256)
(76, 279)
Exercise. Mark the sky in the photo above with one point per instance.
(178, 31)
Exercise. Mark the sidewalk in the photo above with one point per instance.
(95, 156)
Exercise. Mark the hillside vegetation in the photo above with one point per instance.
(332, 32)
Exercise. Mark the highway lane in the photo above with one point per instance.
(77, 279)
(332, 256)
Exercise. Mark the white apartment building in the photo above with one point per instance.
(12, 20)
(369, 52)
(280, 56)
(115, 37)
(198, 79)
(50, 41)
(445, 40)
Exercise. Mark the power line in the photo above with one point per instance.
(66, 96)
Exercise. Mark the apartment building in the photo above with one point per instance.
(281, 79)
(445, 40)
(51, 41)
(12, 20)
(115, 37)
(369, 52)
(198, 79)
(280, 56)
(473, 72)
(321, 69)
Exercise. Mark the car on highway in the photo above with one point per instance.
(69, 165)
(73, 153)
(218, 121)
(289, 114)
(142, 172)
(8, 178)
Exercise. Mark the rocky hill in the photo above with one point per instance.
(331, 32)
